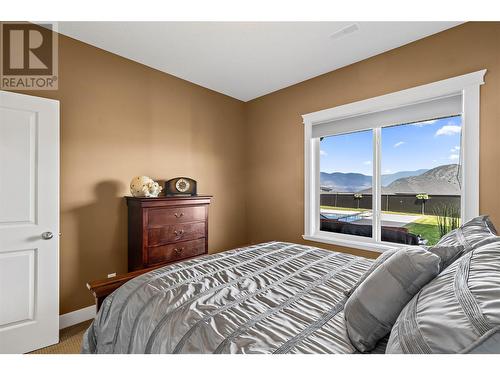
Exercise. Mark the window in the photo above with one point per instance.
(397, 169)
(420, 180)
(420, 187)
(346, 163)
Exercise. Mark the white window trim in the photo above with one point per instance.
(467, 85)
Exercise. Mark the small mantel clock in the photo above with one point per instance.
(180, 186)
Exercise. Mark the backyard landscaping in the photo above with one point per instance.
(426, 226)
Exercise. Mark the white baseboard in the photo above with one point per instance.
(78, 316)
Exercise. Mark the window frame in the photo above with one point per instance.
(467, 86)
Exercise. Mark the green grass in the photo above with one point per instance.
(426, 227)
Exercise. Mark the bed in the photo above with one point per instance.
(280, 297)
(275, 297)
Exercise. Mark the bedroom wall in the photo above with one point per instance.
(275, 130)
(120, 119)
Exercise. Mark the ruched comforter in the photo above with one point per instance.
(269, 298)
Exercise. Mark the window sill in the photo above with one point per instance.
(361, 245)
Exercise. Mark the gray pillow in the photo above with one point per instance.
(447, 254)
(374, 306)
(489, 343)
(381, 259)
(457, 309)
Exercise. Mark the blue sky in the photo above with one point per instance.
(409, 147)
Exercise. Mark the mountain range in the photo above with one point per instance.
(439, 180)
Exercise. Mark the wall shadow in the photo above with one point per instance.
(102, 233)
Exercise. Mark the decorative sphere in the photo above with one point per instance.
(144, 186)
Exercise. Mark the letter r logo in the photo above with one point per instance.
(26, 49)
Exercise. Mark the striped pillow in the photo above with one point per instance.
(489, 343)
(469, 234)
(456, 309)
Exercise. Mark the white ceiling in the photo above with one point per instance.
(246, 60)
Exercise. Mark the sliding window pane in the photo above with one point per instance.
(346, 168)
(421, 184)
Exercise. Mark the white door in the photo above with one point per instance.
(29, 222)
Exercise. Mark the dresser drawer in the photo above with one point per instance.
(166, 216)
(159, 226)
(177, 251)
(176, 233)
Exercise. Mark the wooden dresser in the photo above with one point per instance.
(166, 229)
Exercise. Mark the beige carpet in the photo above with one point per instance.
(70, 340)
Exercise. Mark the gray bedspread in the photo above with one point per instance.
(274, 297)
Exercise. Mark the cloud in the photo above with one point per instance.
(423, 123)
(449, 130)
(399, 144)
(367, 162)
(388, 171)
(455, 153)
(323, 153)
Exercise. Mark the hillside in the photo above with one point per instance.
(387, 179)
(439, 180)
(354, 182)
(345, 182)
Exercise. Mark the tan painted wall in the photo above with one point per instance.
(275, 131)
(120, 119)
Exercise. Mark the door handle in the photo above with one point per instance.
(47, 235)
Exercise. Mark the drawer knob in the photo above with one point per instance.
(178, 215)
(178, 250)
(179, 233)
